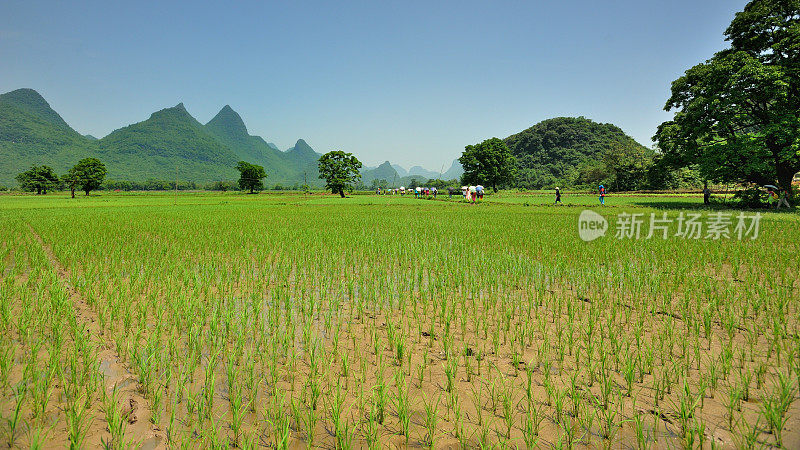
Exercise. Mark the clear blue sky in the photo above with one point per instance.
(412, 82)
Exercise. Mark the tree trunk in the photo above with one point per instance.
(785, 177)
(87, 191)
(252, 189)
(72, 190)
(341, 192)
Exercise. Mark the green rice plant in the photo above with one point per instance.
(380, 398)
(78, 421)
(775, 418)
(431, 420)
(280, 421)
(42, 392)
(530, 432)
(403, 407)
(372, 430)
(115, 420)
(14, 421)
(483, 436)
(450, 371)
(747, 436)
(608, 423)
(477, 402)
(732, 404)
(238, 409)
(508, 411)
(335, 408)
(38, 439)
(685, 407)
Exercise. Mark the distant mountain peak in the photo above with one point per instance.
(229, 123)
(32, 102)
(176, 112)
(302, 147)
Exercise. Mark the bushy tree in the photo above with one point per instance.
(340, 171)
(38, 179)
(627, 166)
(382, 184)
(489, 162)
(737, 115)
(251, 177)
(88, 174)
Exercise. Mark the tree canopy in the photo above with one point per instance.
(88, 174)
(489, 162)
(251, 177)
(340, 171)
(737, 115)
(38, 178)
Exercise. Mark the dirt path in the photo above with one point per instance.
(115, 371)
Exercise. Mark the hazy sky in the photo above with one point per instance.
(412, 82)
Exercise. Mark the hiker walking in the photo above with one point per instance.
(706, 194)
(602, 190)
(558, 197)
(772, 198)
(784, 200)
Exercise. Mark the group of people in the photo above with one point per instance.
(419, 191)
(777, 201)
(471, 193)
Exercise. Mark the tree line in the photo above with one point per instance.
(87, 175)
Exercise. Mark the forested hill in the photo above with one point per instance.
(558, 150)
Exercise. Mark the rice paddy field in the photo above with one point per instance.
(287, 320)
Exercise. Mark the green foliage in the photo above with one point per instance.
(382, 184)
(569, 151)
(661, 176)
(627, 165)
(751, 198)
(441, 184)
(737, 115)
(152, 184)
(252, 176)
(489, 162)
(340, 171)
(38, 179)
(88, 174)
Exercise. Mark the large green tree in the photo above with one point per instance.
(489, 162)
(38, 178)
(628, 167)
(340, 171)
(88, 174)
(251, 177)
(737, 115)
